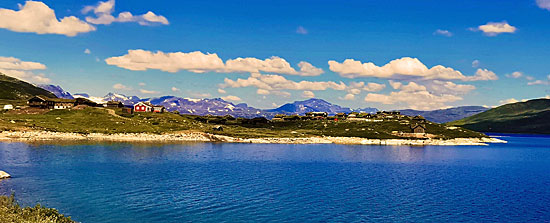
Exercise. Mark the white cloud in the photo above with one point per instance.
(231, 98)
(442, 32)
(476, 63)
(37, 17)
(103, 15)
(142, 84)
(543, 4)
(143, 91)
(121, 87)
(198, 62)
(348, 97)
(515, 75)
(301, 30)
(308, 94)
(262, 92)
(448, 87)
(221, 91)
(87, 51)
(23, 70)
(306, 69)
(508, 101)
(404, 67)
(495, 28)
(277, 82)
(482, 75)
(415, 96)
(175, 89)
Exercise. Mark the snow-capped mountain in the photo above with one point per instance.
(57, 90)
(316, 105)
(216, 106)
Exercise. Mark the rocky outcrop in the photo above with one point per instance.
(206, 137)
(4, 175)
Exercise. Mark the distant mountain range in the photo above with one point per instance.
(218, 106)
(522, 117)
(15, 89)
(447, 115)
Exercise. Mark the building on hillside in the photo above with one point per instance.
(114, 104)
(50, 103)
(419, 129)
(317, 114)
(8, 107)
(85, 101)
(279, 117)
(143, 107)
(159, 109)
(341, 115)
(419, 119)
(127, 110)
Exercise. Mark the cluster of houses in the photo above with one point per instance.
(44, 102)
(418, 126)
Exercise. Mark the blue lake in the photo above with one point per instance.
(286, 183)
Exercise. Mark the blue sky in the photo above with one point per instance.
(508, 40)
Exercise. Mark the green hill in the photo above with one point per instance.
(522, 117)
(15, 89)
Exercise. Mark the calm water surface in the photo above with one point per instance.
(287, 183)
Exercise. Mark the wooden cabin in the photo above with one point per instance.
(114, 104)
(50, 103)
(419, 129)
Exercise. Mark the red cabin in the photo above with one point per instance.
(143, 107)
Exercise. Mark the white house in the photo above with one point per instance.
(8, 107)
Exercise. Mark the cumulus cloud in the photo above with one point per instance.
(198, 62)
(262, 92)
(508, 101)
(442, 32)
(301, 30)
(515, 75)
(308, 94)
(221, 91)
(348, 97)
(231, 98)
(37, 17)
(540, 82)
(543, 4)
(276, 82)
(404, 67)
(23, 70)
(121, 87)
(495, 28)
(414, 96)
(175, 89)
(143, 91)
(103, 15)
(87, 51)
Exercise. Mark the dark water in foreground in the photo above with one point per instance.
(290, 183)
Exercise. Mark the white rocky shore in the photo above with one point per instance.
(30, 136)
(4, 175)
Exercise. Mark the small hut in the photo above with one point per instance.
(418, 129)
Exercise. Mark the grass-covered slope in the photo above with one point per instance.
(523, 117)
(11, 211)
(98, 120)
(15, 89)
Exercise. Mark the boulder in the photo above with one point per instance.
(4, 175)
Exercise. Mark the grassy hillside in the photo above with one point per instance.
(15, 89)
(522, 117)
(98, 120)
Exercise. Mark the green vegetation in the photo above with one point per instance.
(523, 117)
(14, 89)
(100, 120)
(11, 211)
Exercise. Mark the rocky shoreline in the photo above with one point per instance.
(36, 136)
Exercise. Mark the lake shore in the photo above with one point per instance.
(42, 136)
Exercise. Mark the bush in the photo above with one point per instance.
(11, 211)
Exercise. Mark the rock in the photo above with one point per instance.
(4, 175)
